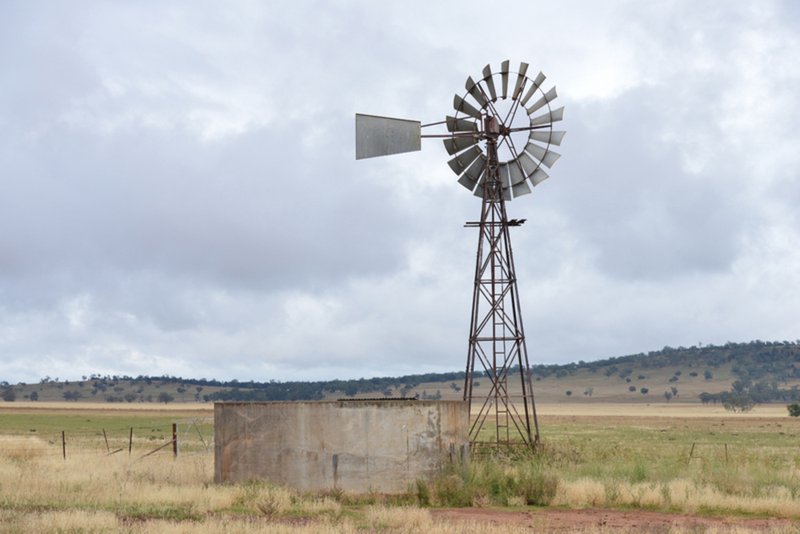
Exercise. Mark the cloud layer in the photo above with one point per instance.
(179, 196)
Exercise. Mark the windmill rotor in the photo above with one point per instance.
(478, 117)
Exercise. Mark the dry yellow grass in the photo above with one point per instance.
(681, 410)
(92, 492)
(193, 408)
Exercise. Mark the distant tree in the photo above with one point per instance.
(706, 397)
(165, 397)
(674, 391)
(708, 375)
(794, 409)
(8, 395)
(588, 392)
(668, 395)
(71, 395)
(644, 391)
(693, 373)
(568, 393)
(739, 402)
(631, 388)
(34, 396)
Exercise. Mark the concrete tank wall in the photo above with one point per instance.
(354, 446)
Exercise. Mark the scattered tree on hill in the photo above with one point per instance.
(794, 409)
(568, 393)
(165, 397)
(644, 391)
(71, 395)
(8, 395)
(34, 396)
(631, 388)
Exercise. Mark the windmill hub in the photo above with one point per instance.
(492, 127)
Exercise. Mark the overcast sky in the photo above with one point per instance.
(179, 194)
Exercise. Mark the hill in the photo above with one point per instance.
(763, 371)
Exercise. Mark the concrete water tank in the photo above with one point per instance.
(355, 446)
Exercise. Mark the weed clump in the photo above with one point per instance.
(490, 482)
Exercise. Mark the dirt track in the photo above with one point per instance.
(607, 520)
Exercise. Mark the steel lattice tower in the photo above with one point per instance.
(496, 336)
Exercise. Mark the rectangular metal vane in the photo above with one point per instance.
(381, 136)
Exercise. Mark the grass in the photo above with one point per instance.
(628, 461)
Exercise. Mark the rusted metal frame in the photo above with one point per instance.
(511, 407)
(454, 134)
(485, 320)
(500, 391)
(484, 283)
(499, 379)
(523, 352)
(516, 313)
(531, 128)
(493, 308)
(495, 285)
(477, 425)
(488, 215)
(475, 310)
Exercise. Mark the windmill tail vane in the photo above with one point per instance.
(500, 137)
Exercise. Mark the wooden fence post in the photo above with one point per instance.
(63, 445)
(175, 440)
(130, 442)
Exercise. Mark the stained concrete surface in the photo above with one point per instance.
(354, 446)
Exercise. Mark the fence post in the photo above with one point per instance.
(108, 449)
(63, 445)
(175, 440)
(130, 442)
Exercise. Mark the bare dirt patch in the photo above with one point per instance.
(607, 520)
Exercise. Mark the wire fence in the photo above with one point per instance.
(183, 437)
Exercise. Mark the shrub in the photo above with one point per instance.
(794, 409)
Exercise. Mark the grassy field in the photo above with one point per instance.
(682, 459)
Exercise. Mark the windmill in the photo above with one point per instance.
(500, 140)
